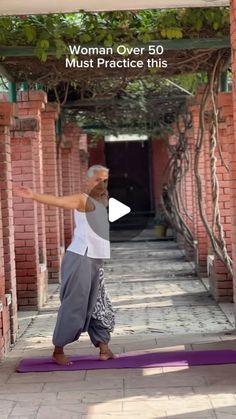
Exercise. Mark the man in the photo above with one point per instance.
(81, 264)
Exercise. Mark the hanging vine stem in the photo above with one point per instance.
(171, 198)
(218, 243)
(65, 95)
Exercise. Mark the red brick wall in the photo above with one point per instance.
(30, 105)
(199, 229)
(5, 329)
(96, 151)
(67, 190)
(71, 134)
(233, 170)
(159, 161)
(221, 280)
(84, 158)
(6, 112)
(4, 310)
(2, 273)
(188, 188)
(60, 191)
(52, 219)
(25, 222)
(76, 185)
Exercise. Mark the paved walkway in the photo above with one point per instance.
(160, 305)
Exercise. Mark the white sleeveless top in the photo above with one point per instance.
(91, 232)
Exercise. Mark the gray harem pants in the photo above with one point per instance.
(78, 295)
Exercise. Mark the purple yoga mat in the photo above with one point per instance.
(131, 360)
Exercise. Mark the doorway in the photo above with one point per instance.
(129, 177)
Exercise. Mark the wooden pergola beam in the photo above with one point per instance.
(168, 44)
(5, 73)
(114, 101)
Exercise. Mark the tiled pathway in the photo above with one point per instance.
(160, 305)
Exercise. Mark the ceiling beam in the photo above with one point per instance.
(5, 73)
(26, 7)
(124, 101)
(168, 44)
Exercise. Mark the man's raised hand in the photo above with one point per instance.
(23, 192)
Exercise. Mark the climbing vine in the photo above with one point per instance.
(111, 28)
(214, 229)
(176, 169)
(146, 106)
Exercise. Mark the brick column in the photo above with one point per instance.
(199, 229)
(96, 150)
(67, 190)
(31, 104)
(220, 279)
(159, 162)
(84, 158)
(190, 195)
(26, 218)
(2, 272)
(51, 187)
(60, 191)
(233, 170)
(6, 120)
(75, 152)
(4, 308)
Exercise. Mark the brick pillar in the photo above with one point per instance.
(220, 279)
(26, 219)
(201, 249)
(2, 272)
(233, 169)
(4, 309)
(84, 158)
(6, 120)
(67, 190)
(52, 218)
(30, 105)
(190, 195)
(60, 191)
(96, 150)
(159, 162)
(71, 171)
(75, 166)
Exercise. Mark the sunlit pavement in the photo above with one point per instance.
(160, 305)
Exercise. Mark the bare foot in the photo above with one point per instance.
(61, 359)
(107, 354)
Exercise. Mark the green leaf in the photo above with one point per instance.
(108, 42)
(60, 47)
(216, 25)
(163, 33)
(44, 56)
(30, 32)
(85, 37)
(44, 43)
(198, 24)
(146, 38)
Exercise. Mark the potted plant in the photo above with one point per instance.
(161, 224)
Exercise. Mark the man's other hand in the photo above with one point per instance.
(23, 192)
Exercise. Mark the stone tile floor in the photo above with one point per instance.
(160, 305)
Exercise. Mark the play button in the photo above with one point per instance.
(117, 210)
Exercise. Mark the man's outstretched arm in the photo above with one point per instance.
(76, 201)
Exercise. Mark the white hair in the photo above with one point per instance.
(96, 168)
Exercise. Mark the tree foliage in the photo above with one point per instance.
(111, 28)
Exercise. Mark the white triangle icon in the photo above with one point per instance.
(117, 210)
